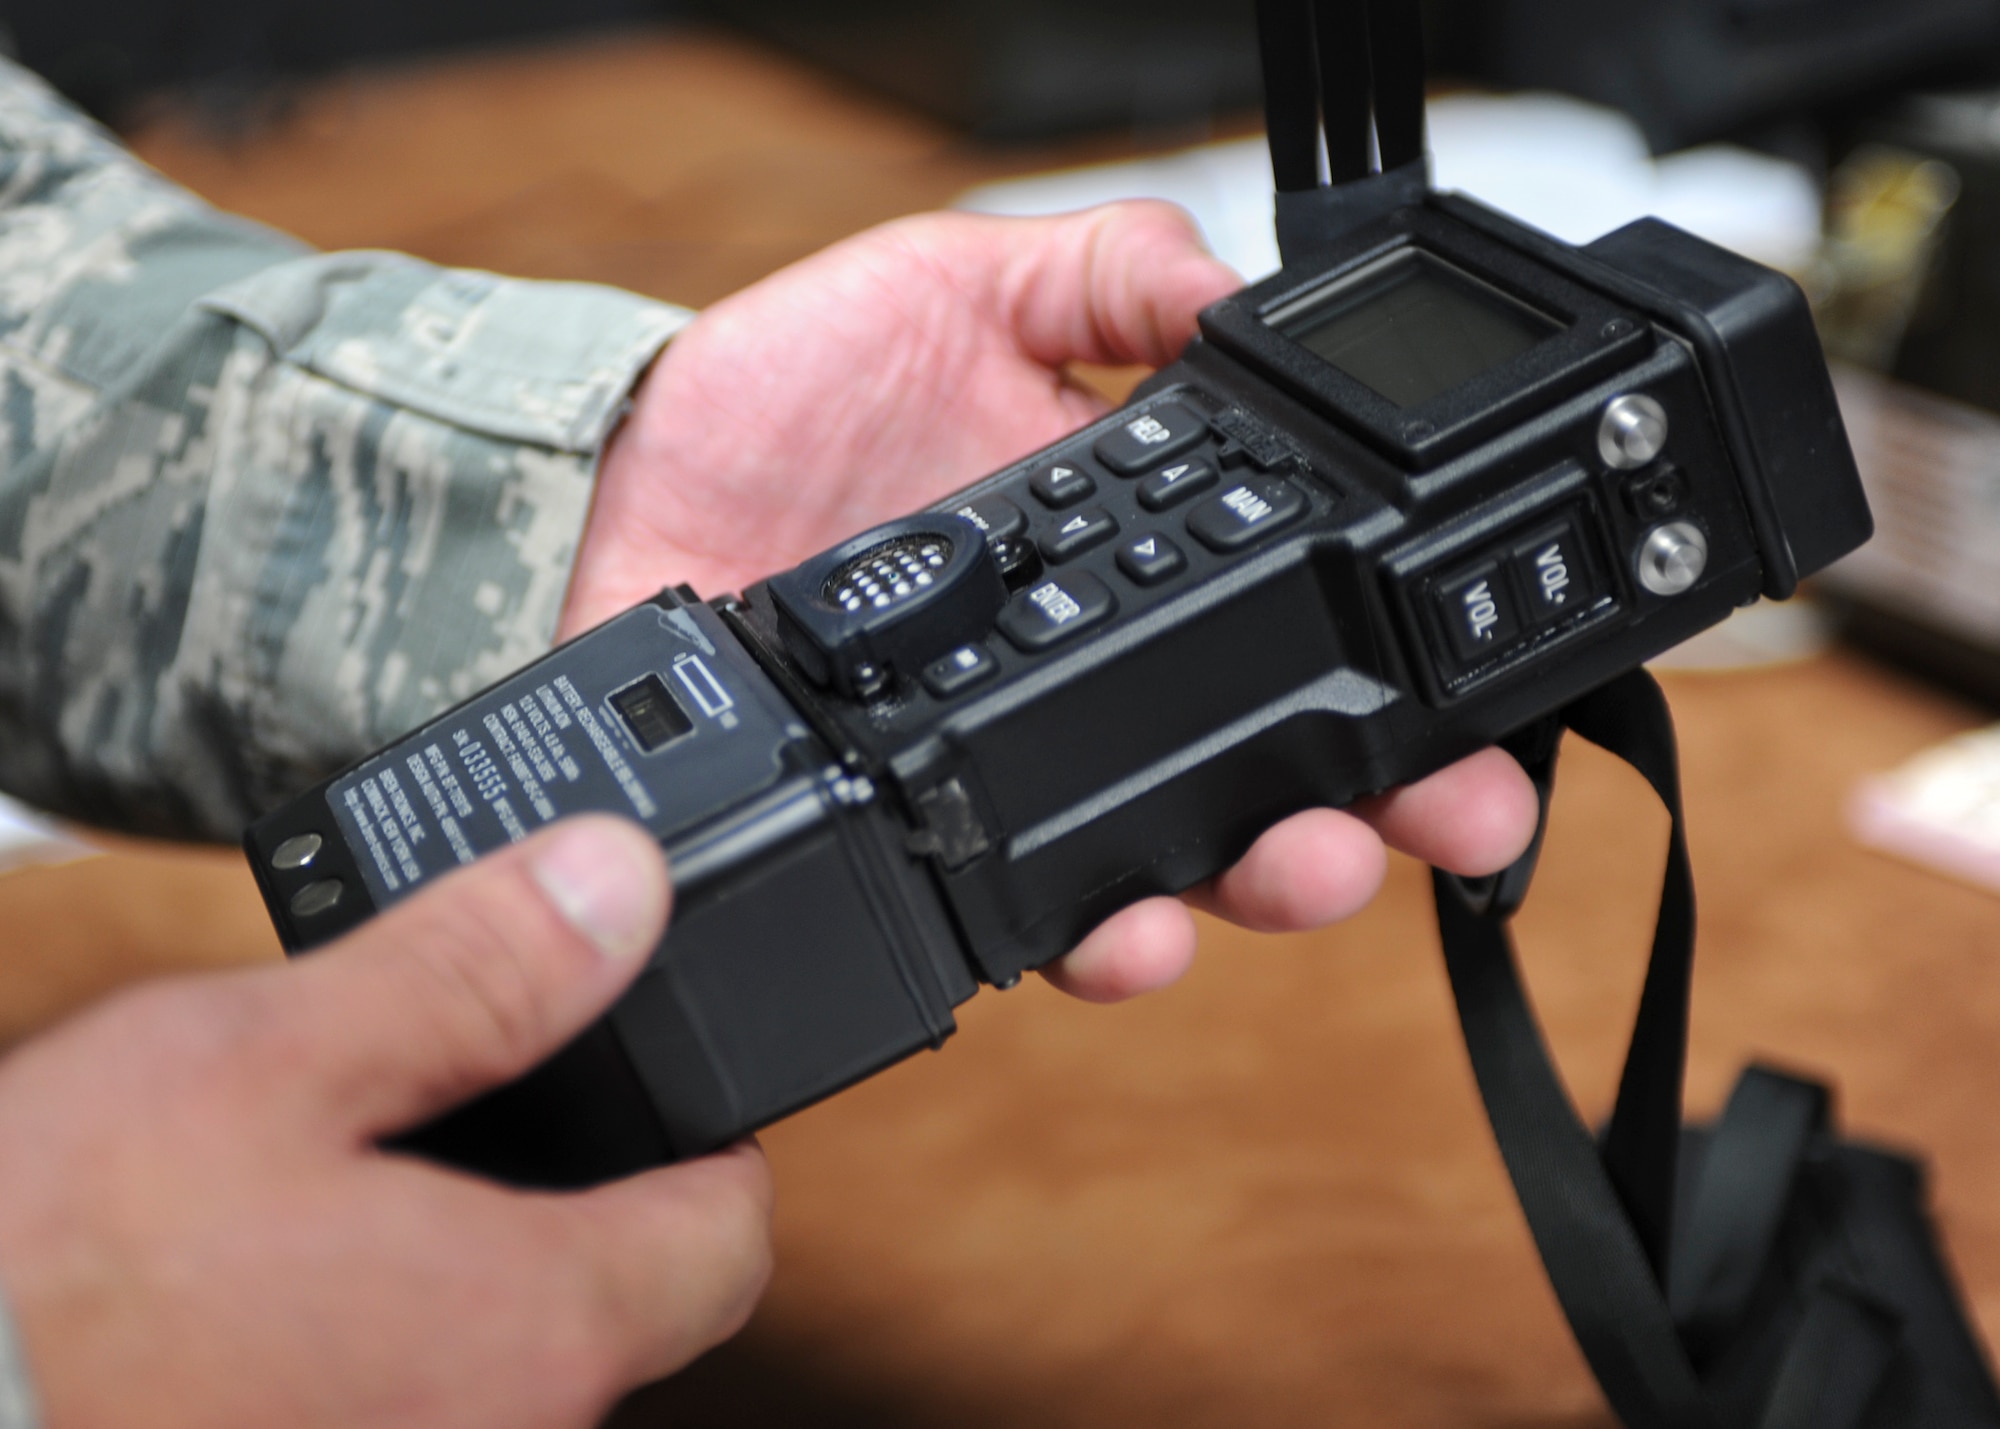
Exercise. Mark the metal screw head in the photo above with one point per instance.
(1672, 558)
(297, 852)
(1633, 432)
(317, 898)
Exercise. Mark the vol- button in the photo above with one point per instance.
(1478, 612)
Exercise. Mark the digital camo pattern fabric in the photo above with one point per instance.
(263, 509)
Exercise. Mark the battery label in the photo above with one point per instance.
(553, 742)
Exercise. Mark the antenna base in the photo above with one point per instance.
(1311, 219)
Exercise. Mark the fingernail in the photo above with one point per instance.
(607, 880)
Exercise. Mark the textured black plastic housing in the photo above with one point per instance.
(1311, 596)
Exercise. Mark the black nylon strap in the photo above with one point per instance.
(1747, 1177)
(1603, 1234)
(1629, 718)
(1603, 1217)
(1835, 1363)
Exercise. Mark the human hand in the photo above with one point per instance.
(880, 375)
(197, 1227)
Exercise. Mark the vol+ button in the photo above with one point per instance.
(1554, 572)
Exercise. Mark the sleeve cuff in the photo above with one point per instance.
(546, 363)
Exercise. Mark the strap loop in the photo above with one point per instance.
(1602, 1220)
(1603, 1216)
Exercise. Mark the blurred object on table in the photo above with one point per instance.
(1694, 70)
(109, 54)
(1032, 69)
(1941, 810)
(28, 838)
(1909, 296)
(1572, 169)
(1885, 215)
(1687, 70)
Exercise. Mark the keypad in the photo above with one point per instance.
(1072, 544)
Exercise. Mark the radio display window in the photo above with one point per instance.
(1412, 327)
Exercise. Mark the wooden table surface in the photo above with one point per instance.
(1268, 1196)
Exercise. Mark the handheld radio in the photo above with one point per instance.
(1434, 480)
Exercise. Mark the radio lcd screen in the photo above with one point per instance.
(1412, 328)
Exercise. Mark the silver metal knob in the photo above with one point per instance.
(1633, 432)
(1673, 558)
(317, 898)
(297, 853)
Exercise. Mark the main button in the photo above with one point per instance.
(995, 516)
(1554, 572)
(1079, 534)
(960, 671)
(1142, 442)
(1056, 610)
(1061, 485)
(1245, 513)
(1478, 612)
(1170, 486)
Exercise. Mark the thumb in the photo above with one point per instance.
(1119, 284)
(472, 982)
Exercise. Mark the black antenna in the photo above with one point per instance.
(1343, 87)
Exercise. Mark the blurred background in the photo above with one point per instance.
(1267, 1196)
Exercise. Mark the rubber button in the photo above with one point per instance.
(1477, 610)
(1056, 610)
(1080, 533)
(1151, 560)
(959, 671)
(1061, 484)
(995, 516)
(1170, 486)
(1246, 512)
(1554, 574)
(1146, 439)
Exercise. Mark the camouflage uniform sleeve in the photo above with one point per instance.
(262, 509)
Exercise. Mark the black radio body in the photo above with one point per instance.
(1426, 485)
